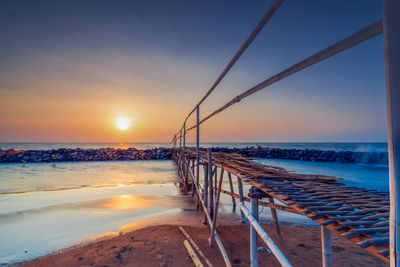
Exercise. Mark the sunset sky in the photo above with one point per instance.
(70, 69)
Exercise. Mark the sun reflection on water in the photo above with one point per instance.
(126, 201)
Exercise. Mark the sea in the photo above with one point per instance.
(46, 208)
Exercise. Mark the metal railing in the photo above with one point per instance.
(390, 27)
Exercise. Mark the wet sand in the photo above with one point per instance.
(153, 244)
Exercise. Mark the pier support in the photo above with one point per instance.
(210, 183)
(193, 177)
(217, 197)
(240, 186)
(275, 219)
(391, 39)
(198, 155)
(205, 192)
(264, 236)
(186, 173)
(184, 160)
(216, 236)
(231, 186)
(326, 241)
(253, 234)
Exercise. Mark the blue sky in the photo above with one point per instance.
(68, 68)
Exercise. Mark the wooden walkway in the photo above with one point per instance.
(358, 215)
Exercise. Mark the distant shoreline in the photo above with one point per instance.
(162, 153)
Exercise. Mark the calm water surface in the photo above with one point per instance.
(44, 208)
(362, 147)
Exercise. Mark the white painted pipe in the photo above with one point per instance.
(216, 236)
(210, 183)
(183, 157)
(326, 241)
(205, 191)
(240, 187)
(198, 152)
(253, 234)
(268, 241)
(391, 39)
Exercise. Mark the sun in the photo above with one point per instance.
(123, 123)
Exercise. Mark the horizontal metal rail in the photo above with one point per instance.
(270, 243)
(358, 37)
(260, 25)
(354, 39)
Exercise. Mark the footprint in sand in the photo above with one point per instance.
(160, 256)
(237, 261)
(152, 246)
(125, 249)
(305, 246)
(150, 249)
(167, 261)
(338, 249)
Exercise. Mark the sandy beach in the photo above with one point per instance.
(159, 242)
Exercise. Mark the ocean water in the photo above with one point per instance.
(360, 147)
(44, 208)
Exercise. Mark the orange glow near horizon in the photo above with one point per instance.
(112, 106)
(68, 75)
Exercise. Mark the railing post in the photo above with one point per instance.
(240, 186)
(176, 150)
(264, 236)
(184, 135)
(210, 183)
(275, 219)
(183, 156)
(217, 197)
(231, 186)
(391, 39)
(253, 234)
(326, 241)
(193, 177)
(198, 152)
(173, 147)
(180, 148)
(205, 192)
(180, 140)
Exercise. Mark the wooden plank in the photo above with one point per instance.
(192, 254)
(195, 246)
(306, 192)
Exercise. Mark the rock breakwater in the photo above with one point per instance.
(78, 154)
(380, 158)
(103, 154)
